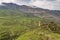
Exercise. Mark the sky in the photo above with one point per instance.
(46, 4)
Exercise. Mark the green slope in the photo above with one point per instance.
(17, 25)
(39, 35)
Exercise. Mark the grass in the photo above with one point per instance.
(39, 35)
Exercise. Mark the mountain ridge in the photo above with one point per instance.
(39, 12)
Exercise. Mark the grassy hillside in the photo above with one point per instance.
(44, 32)
(16, 25)
(11, 25)
(39, 35)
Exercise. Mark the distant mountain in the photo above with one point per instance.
(28, 9)
(39, 12)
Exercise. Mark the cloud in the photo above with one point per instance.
(47, 4)
(22, 2)
(7, 1)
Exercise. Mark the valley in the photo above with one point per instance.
(20, 23)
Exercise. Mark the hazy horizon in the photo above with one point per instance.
(46, 4)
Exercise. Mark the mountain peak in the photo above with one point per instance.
(6, 3)
(9, 4)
